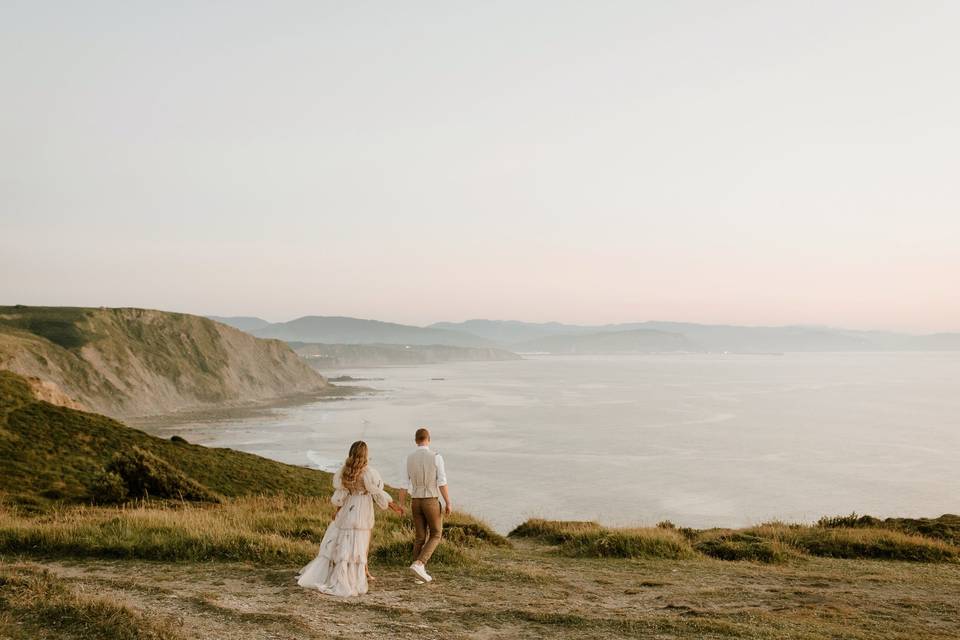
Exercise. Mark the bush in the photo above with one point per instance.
(734, 545)
(145, 476)
(851, 521)
(553, 531)
(108, 488)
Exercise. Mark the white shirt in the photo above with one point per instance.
(441, 472)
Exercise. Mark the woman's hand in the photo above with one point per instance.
(397, 509)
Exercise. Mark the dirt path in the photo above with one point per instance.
(528, 593)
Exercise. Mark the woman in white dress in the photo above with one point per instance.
(340, 568)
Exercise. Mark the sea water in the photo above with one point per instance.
(701, 440)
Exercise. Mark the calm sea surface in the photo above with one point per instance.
(702, 440)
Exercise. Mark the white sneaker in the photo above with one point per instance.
(420, 571)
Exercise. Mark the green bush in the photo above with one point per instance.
(553, 531)
(734, 545)
(108, 487)
(851, 521)
(147, 476)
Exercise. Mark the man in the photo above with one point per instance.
(426, 482)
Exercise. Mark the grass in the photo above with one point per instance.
(769, 543)
(873, 543)
(739, 545)
(60, 325)
(946, 527)
(35, 605)
(267, 530)
(51, 454)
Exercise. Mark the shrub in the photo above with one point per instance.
(108, 488)
(553, 531)
(145, 475)
(733, 545)
(850, 521)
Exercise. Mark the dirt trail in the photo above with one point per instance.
(528, 593)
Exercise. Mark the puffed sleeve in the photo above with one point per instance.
(339, 493)
(374, 486)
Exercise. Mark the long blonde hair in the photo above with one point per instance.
(354, 465)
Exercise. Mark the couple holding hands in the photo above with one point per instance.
(340, 568)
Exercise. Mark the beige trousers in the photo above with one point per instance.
(428, 527)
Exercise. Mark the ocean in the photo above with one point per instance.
(700, 440)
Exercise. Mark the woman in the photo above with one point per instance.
(340, 568)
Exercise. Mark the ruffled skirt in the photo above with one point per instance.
(340, 568)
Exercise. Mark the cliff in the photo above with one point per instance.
(136, 362)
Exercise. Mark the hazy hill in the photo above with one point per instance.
(244, 323)
(511, 332)
(326, 356)
(342, 330)
(132, 362)
(635, 341)
(520, 335)
(765, 339)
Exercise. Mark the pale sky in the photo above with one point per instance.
(736, 162)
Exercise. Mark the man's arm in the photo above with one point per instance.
(405, 487)
(442, 483)
(447, 508)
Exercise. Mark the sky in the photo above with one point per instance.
(723, 162)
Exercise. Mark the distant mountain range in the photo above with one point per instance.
(329, 356)
(340, 330)
(244, 323)
(631, 337)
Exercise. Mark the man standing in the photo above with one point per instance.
(426, 482)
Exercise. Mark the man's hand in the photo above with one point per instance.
(447, 505)
(397, 509)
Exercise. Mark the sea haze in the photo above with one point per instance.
(701, 440)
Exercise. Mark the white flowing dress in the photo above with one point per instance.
(340, 568)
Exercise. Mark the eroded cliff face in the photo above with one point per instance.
(137, 362)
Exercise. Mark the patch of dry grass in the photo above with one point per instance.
(590, 540)
(770, 543)
(34, 604)
(264, 529)
(874, 543)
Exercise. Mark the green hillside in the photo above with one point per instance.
(51, 453)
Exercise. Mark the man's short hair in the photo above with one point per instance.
(422, 435)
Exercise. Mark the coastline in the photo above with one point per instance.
(248, 410)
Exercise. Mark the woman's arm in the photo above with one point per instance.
(374, 486)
